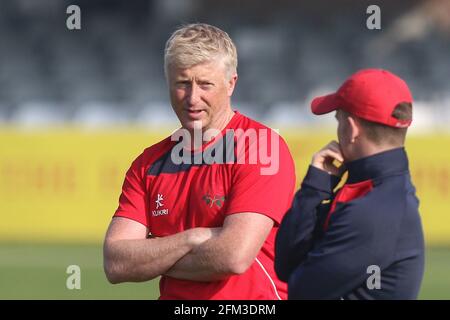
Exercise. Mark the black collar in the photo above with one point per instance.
(380, 164)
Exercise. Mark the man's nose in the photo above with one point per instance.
(194, 94)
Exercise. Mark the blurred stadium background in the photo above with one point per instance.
(76, 107)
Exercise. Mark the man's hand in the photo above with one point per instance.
(326, 157)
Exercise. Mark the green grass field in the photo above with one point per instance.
(39, 272)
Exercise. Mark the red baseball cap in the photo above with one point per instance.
(371, 94)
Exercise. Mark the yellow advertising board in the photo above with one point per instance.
(63, 185)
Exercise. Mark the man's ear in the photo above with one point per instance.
(355, 128)
(232, 84)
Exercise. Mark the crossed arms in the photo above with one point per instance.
(198, 254)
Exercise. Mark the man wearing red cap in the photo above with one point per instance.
(365, 241)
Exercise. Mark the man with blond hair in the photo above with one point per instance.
(204, 224)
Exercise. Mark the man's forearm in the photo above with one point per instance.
(144, 259)
(231, 250)
(225, 254)
(208, 262)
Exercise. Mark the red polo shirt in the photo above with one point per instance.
(169, 198)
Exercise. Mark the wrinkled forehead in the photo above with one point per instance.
(185, 61)
(211, 68)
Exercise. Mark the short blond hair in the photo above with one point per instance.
(199, 43)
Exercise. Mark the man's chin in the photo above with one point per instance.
(193, 125)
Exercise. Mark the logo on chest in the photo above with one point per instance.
(159, 204)
(216, 200)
